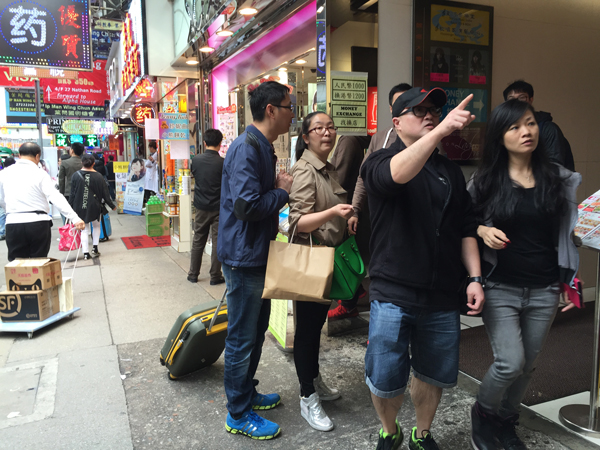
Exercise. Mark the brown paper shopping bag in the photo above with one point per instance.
(299, 272)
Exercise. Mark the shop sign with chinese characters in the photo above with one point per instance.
(7, 79)
(89, 127)
(145, 89)
(132, 48)
(349, 102)
(90, 89)
(141, 112)
(75, 111)
(174, 127)
(53, 33)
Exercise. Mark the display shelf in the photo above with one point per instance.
(31, 327)
(170, 215)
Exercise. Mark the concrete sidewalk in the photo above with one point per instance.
(95, 382)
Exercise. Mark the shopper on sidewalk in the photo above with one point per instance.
(527, 209)
(382, 139)
(67, 168)
(251, 197)
(7, 163)
(110, 176)
(423, 225)
(207, 169)
(89, 194)
(318, 208)
(151, 182)
(552, 138)
(25, 191)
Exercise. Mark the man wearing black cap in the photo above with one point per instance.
(422, 227)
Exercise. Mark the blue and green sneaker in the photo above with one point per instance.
(253, 426)
(263, 402)
(388, 441)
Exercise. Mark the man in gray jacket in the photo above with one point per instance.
(68, 168)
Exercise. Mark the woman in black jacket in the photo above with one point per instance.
(88, 194)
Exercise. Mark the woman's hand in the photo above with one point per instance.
(352, 225)
(343, 210)
(493, 237)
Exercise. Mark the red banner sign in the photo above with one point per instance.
(7, 80)
(90, 89)
(371, 111)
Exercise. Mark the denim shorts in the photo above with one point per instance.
(434, 338)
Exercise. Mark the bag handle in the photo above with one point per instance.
(214, 318)
(362, 264)
(291, 238)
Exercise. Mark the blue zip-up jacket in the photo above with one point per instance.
(250, 203)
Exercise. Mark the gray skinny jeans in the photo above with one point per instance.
(517, 321)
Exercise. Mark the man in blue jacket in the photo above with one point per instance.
(251, 196)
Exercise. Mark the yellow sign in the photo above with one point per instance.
(120, 167)
(36, 72)
(460, 25)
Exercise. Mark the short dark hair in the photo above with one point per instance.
(64, 156)
(152, 144)
(268, 93)
(77, 148)
(30, 149)
(88, 160)
(402, 87)
(518, 87)
(212, 137)
(9, 161)
(111, 158)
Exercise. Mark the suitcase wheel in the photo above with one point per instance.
(162, 361)
(171, 377)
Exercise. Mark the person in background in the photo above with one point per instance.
(7, 163)
(553, 140)
(384, 138)
(99, 164)
(89, 193)
(526, 208)
(44, 166)
(151, 182)
(25, 193)
(423, 227)
(318, 208)
(252, 195)
(207, 169)
(67, 168)
(110, 176)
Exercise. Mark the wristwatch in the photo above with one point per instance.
(476, 280)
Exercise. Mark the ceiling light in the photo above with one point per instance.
(282, 69)
(224, 33)
(300, 61)
(192, 62)
(320, 10)
(207, 49)
(248, 11)
(312, 49)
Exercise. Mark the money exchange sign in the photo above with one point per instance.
(53, 33)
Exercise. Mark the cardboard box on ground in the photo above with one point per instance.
(35, 290)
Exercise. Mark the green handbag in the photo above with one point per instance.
(348, 271)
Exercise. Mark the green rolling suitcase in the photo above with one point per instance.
(196, 340)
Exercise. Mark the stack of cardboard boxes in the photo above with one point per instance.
(33, 290)
(157, 224)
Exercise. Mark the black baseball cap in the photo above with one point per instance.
(416, 96)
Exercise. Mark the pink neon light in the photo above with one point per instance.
(220, 73)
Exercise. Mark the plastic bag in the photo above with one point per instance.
(70, 239)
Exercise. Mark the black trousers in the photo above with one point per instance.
(310, 318)
(28, 240)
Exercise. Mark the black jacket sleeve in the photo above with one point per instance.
(557, 147)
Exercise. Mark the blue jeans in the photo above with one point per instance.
(517, 321)
(434, 338)
(248, 317)
(2, 222)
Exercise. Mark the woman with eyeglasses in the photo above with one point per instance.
(526, 209)
(318, 209)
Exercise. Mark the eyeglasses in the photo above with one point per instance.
(321, 130)
(290, 107)
(421, 111)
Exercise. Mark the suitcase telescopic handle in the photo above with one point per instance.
(212, 322)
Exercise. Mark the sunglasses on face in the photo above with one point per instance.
(288, 107)
(421, 111)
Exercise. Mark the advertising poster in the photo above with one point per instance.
(134, 188)
(74, 111)
(174, 126)
(20, 106)
(453, 45)
(227, 126)
(91, 88)
(120, 168)
(588, 223)
(349, 102)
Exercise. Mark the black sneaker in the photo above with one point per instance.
(217, 281)
(87, 256)
(483, 429)
(507, 435)
(425, 442)
(389, 441)
(95, 253)
(192, 279)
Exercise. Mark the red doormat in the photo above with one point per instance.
(146, 242)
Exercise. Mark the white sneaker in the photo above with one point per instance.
(325, 392)
(311, 410)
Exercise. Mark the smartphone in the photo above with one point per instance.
(575, 294)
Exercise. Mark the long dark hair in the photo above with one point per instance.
(306, 123)
(495, 193)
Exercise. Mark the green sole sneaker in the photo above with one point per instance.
(258, 438)
(264, 402)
